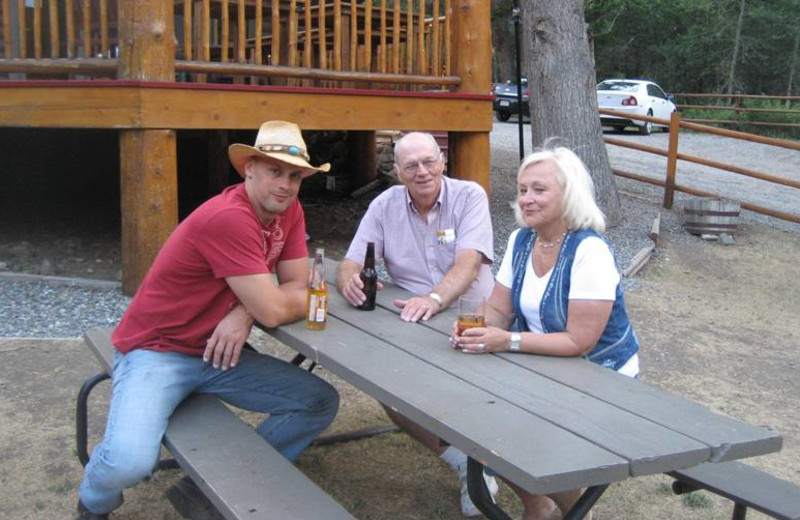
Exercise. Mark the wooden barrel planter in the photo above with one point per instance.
(706, 216)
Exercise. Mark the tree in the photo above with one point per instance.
(562, 89)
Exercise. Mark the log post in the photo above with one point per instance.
(148, 164)
(472, 61)
(363, 157)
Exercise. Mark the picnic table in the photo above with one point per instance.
(547, 424)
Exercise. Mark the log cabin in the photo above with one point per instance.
(149, 68)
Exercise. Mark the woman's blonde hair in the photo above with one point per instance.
(580, 208)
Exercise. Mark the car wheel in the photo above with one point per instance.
(647, 127)
(503, 116)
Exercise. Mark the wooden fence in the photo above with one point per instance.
(315, 41)
(669, 183)
(736, 103)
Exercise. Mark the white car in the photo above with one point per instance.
(641, 98)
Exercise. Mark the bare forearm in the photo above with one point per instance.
(459, 278)
(347, 268)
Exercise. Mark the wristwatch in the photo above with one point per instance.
(516, 341)
(436, 297)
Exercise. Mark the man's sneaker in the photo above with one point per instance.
(85, 514)
(467, 507)
(190, 502)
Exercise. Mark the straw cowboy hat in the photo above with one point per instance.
(279, 140)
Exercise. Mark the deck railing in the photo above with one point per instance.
(283, 42)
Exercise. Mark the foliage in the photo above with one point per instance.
(688, 45)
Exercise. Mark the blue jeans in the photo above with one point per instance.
(149, 385)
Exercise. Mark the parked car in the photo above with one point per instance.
(641, 98)
(505, 100)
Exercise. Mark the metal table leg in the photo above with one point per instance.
(585, 502)
(479, 493)
(482, 499)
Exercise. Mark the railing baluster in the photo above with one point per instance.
(323, 51)
(69, 20)
(409, 39)
(276, 33)
(368, 36)
(382, 48)
(293, 33)
(105, 49)
(205, 29)
(52, 18)
(420, 68)
(308, 41)
(87, 28)
(37, 29)
(447, 37)
(259, 36)
(187, 29)
(7, 28)
(353, 34)
(436, 58)
(23, 29)
(225, 35)
(396, 38)
(241, 55)
(337, 34)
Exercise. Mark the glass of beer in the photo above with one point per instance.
(471, 313)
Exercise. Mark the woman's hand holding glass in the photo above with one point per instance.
(480, 340)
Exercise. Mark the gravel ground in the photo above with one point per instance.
(39, 309)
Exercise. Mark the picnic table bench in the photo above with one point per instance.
(745, 485)
(243, 475)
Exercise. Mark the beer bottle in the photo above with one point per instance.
(369, 277)
(317, 303)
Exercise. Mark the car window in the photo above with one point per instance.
(655, 91)
(622, 86)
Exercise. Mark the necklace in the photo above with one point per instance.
(554, 243)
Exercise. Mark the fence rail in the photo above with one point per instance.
(669, 183)
(735, 103)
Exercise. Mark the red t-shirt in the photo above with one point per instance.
(184, 294)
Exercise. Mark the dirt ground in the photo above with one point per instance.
(718, 324)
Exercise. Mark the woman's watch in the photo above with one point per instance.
(516, 341)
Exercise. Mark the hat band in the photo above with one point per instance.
(290, 149)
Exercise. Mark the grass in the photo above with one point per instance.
(698, 500)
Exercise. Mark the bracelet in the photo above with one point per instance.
(516, 342)
(436, 297)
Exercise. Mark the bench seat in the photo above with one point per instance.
(745, 485)
(238, 471)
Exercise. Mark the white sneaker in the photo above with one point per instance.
(467, 507)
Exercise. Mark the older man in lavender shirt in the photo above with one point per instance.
(434, 235)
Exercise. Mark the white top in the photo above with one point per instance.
(594, 276)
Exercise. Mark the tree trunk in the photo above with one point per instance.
(562, 90)
(737, 42)
(792, 66)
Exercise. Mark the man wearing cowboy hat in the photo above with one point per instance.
(185, 328)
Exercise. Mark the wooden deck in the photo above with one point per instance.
(147, 68)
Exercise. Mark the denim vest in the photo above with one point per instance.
(618, 342)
